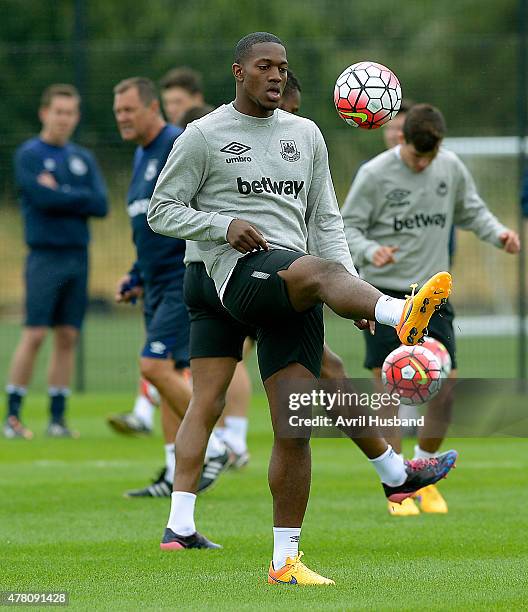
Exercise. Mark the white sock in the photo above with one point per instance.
(181, 517)
(170, 462)
(285, 544)
(421, 454)
(16, 389)
(54, 391)
(235, 434)
(144, 411)
(388, 310)
(215, 447)
(390, 468)
(220, 431)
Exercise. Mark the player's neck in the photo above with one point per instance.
(152, 133)
(50, 138)
(248, 107)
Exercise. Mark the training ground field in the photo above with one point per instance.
(65, 526)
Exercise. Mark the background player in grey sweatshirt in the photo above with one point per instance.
(400, 207)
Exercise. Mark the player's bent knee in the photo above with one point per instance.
(207, 403)
(332, 366)
(152, 369)
(34, 337)
(66, 337)
(314, 274)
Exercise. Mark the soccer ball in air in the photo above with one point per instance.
(367, 95)
(413, 372)
(441, 353)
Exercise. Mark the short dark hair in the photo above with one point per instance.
(58, 89)
(194, 113)
(424, 127)
(146, 89)
(406, 105)
(244, 45)
(183, 77)
(292, 84)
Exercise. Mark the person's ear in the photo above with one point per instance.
(238, 72)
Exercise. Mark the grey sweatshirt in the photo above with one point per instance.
(390, 205)
(272, 172)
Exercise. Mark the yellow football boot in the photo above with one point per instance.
(406, 508)
(431, 500)
(419, 308)
(295, 572)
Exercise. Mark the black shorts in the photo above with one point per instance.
(256, 295)
(56, 287)
(386, 340)
(214, 332)
(166, 321)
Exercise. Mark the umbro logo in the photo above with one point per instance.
(235, 148)
(397, 197)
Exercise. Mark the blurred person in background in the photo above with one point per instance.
(392, 135)
(157, 275)
(402, 204)
(181, 90)
(60, 188)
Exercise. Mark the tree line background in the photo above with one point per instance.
(460, 56)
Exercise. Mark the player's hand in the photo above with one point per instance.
(46, 179)
(510, 242)
(361, 324)
(384, 255)
(124, 294)
(245, 238)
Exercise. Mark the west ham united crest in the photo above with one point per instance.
(151, 170)
(289, 150)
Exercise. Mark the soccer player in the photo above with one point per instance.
(251, 185)
(157, 276)
(398, 215)
(392, 136)
(181, 90)
(61, 187)
(291, 96)
(393, 130)
(232, 426)
(158, 272)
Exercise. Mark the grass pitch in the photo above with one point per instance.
(65, 526)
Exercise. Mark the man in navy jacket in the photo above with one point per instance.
(60, 187)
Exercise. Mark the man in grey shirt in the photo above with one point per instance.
(398, 216)
(251, 185)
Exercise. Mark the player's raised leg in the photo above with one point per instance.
(311, 280)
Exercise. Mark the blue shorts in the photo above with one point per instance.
(56, 287)
(166, 321)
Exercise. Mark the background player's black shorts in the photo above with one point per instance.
(385, 339)
(166, 321)
(257, 295)
(56, 287)
(214, 332)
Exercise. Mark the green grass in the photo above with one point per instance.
(64, 525)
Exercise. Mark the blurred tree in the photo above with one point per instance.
(459, 56)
